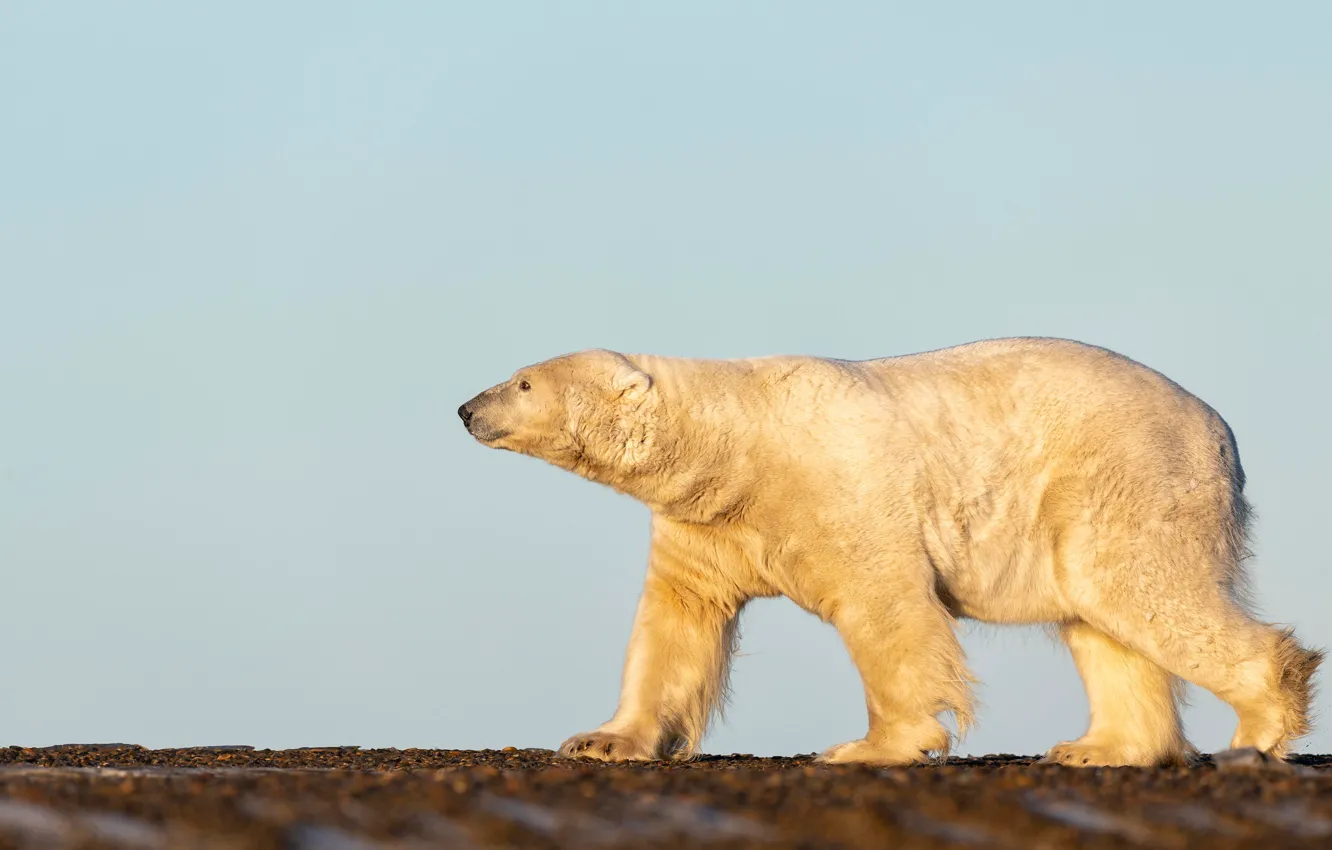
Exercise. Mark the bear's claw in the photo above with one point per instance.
(1091, 753)
(865, 752)
(606, 746)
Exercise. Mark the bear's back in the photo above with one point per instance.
(1090, 399)
(1043, 370)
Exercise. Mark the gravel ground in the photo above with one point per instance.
(345, 798)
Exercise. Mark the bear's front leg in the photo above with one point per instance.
(902, 642)
(676, 667)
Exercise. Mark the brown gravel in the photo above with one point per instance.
(345, 798)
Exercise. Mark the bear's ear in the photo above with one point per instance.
(630, 382)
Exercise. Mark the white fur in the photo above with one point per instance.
(1010, 481)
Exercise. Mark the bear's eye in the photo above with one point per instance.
(524, 386)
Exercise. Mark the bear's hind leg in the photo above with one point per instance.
(912, 666)
(1184, 617)
(1260, 670)
(1271, 691)
(1134, 707)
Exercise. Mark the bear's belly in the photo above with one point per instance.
(993, 563)
(1016, 587)
(1006, 607)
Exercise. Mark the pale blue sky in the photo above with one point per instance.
(253, 256)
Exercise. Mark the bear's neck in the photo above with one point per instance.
(697, 467)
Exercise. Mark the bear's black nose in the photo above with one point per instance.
(465, 414)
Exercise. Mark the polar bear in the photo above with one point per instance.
(1016, 481)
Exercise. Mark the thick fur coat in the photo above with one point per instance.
(1009, 481)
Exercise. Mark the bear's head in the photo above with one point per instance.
(589, 412)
